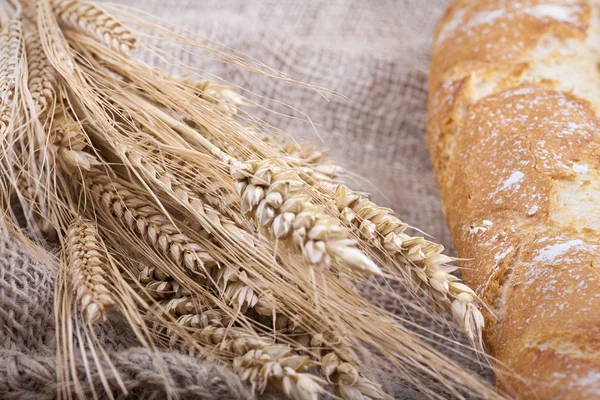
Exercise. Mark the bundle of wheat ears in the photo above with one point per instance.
(169, 206)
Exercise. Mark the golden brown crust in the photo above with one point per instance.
(515, 143)
(497, 32)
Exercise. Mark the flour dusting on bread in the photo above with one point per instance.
(514, 136)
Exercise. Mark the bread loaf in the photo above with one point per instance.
(513, 133)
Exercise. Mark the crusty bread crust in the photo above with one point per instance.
(513, 133)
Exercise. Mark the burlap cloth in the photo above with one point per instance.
(375, 53)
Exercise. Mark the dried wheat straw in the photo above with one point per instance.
(94, 21)
(86, 264)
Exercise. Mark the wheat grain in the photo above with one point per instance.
(424, 259)
(272, 194)
(86, 264)
(68, 142)
(42, 76)
(148, 222)
(94, 21)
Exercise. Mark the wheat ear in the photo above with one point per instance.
(42, 76)
(233, 283)
(86, 260)
(258, 361)
(147, 221)
(11, 50)
(424, 259)
(339, 366)
(94, 21)
(273, 194)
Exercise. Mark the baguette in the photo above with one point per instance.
(513, 132)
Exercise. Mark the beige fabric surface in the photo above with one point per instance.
(373, 52)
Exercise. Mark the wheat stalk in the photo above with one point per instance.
(86, 261)
(94, 21)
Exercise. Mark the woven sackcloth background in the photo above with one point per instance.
(374, 52)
